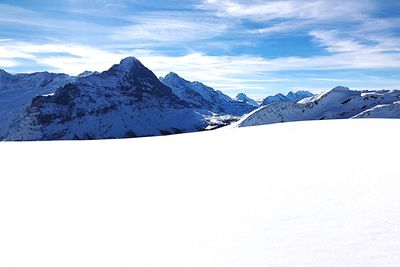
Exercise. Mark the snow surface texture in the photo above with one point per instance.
(322, 193)
(205, 98)
(126, 101)
(337, 103)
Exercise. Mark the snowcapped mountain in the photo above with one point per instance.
(241, 97)
(125, 101)
(337, 103)
(17, 91)
(87, 73)
(205, 98)
(128, 101)
(290, 97)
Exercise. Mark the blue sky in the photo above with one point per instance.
(252, 46)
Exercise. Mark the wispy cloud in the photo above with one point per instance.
(14, 15)
(169, 27)
(289, 9)
(358, 40)
(8, 63)
(45, 26)
(226, 72)
(332, 42)
(67, 58)
(110, 23)
(278, 28)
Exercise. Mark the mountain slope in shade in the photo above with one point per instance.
(290, 97)
(205, 98)
(17, 91)
(338, 103)
(241, 97)
(125, 101)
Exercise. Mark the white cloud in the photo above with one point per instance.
(223, 72)
(10, 52)
(278, 28)
(318, 16)
(7, 63)
(334, 43)
(75, 59)
(138, 29)
(169, 27)
(289, 9)
(358, 41)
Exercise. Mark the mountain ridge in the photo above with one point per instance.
(290, 97)
(202, 96)
(337, 103)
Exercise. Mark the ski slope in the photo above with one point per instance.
(316, 193)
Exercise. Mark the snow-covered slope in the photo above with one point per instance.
(382, 111)
(241, 97)
(321, 193)
(17, 91)
(205, 98)
(337, 103)
(126, 101)
(290, 97)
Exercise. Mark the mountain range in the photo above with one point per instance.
(128, 100)
(205, 98)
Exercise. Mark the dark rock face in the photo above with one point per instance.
(136, 78)
(66, 95)
(59, 106)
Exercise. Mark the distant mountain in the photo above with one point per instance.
(290, 97)
(125, 101)
(87, 73)
(205, 98)
(241, 97)
(337, 103)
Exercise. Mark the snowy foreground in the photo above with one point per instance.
(318, 193)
